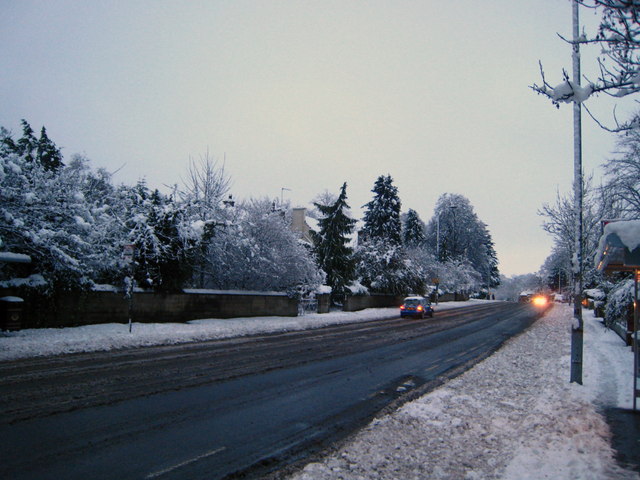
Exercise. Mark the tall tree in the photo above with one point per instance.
(41, 150)
(334, 255)
(382, 215)
(622, 172)
(205, 187)
(559, 222)
(47, 153)
(457, 234)
(45, 216)
(413, 232)
(27, 144)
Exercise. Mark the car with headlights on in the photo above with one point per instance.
(416, 306)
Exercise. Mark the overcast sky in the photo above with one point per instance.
(306, 95)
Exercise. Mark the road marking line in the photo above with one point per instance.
(185, 463)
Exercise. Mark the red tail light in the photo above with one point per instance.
(420, 308)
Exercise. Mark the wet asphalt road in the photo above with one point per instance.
(237, 408)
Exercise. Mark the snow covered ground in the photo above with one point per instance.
(513, 416)
(109, 336)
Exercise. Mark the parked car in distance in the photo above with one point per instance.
(416, 307)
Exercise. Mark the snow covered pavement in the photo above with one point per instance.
(110, 336)
(514, 416)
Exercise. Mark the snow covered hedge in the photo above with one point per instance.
(619, 303)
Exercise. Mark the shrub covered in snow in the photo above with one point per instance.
(383, 267)
(258, 251)
(619, 301)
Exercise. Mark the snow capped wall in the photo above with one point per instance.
(107, 306)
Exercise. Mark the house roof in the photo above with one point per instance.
(619, 247)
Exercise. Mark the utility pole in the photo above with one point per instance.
(577, 329)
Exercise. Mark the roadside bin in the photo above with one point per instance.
(11, 313)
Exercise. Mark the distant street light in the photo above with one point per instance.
(282, 194)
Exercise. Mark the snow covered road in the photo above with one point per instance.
(514, 416)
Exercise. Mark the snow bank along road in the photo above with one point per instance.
(243, 406)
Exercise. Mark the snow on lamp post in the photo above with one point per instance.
(570, 91)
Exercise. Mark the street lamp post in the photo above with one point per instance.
(577, 328)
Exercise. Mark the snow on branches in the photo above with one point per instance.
(618, 65)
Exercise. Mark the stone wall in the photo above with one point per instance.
(360, 302)
(453, 297)
(111, 307)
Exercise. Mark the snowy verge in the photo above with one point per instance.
(513, 416)
(110, 336)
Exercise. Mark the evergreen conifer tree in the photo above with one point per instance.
(382, 217)
(413, 232)
(333, 253)
(47, 153)
(42, 150)
(28, 144)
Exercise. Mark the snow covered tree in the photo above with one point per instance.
(203, 196)
(622, 174)
(413, 232)
(74, 223)
(333, 253)
(257, 250)
(324, 198)
(153, 224)
(205, 188)
(382, 214)
(560, 223)
(557, 268)
(457, 234)
(383, 267)
(27, 145)
(459, 276)
(43, 214)
(47, 153)
(42, 150)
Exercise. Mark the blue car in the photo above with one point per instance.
(416, 307)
